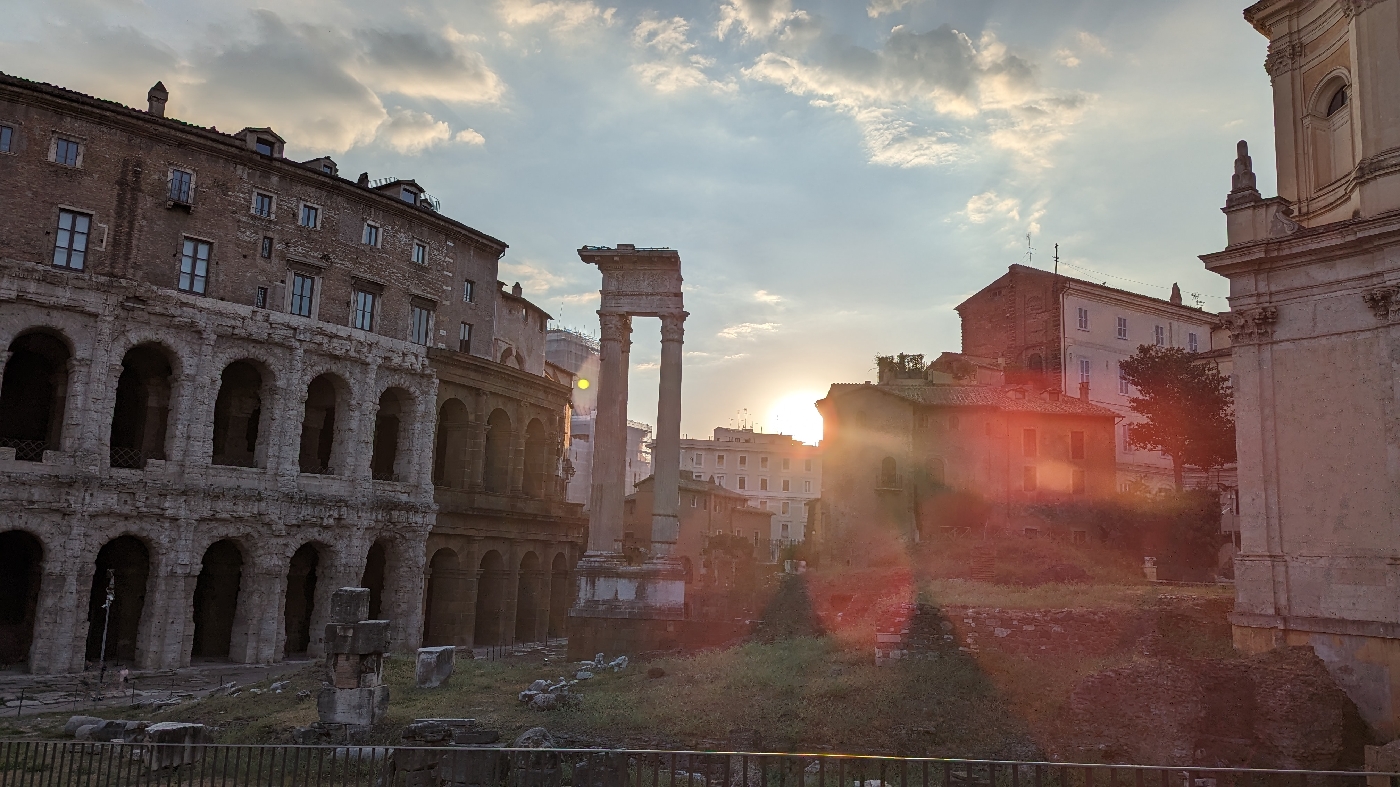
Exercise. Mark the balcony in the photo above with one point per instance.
(889, 482)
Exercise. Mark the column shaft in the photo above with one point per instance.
(666, 454)
(610, 435)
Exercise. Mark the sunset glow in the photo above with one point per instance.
(796, 414)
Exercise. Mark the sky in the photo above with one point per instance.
(836, 174)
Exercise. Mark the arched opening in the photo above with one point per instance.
(216, 600)
(1036, 363)
(376, 563)
(1338, 101)
(318, 455)
(527, 598)
(440, 606)
(124, 565)
(560, 595)
(389, 428)
(497, 476)
(21, 569)
(142, 407)
(300, 600)
(32, 396)
(490, 600)
(450, 449)
(237, 412)
(1328, 128)
(888, 477)
(536, 459)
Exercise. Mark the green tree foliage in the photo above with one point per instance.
(1188, 407)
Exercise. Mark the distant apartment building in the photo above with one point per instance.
(775, 472)
(707, 510)
(1061, 333)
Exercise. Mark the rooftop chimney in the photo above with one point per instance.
(1176, 294)
(363, 179)
(156, 98)
(516, 290)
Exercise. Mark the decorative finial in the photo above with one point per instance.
(1242, 185)
(1176, 289)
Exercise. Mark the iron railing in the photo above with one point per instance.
(60, 763)
(25, 450)
(132, 458)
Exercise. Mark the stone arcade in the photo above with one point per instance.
(632, 598)
(231, 382)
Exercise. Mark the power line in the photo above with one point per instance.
(1134, 281)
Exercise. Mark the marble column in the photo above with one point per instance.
(666, 455)
(610, 435)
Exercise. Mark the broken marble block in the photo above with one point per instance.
(435, 666)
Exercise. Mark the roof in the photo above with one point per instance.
(212, 134)
(1018, 269)
(692, 485)
(996, 397)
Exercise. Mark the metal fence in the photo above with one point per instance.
(44, 763)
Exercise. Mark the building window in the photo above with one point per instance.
(464, 339)
(719, 460)
(743, 460)
(921, 421)
(70, 247)
(181, 187)
(1084, 368)
(763, 505)
(1076, 445)
(1123, 327)
(1083, 319)
(266, 251)
(694, 501)
(310, 216)
(468, 291)
(1028, 480)
(420, 253)
(263, 146)
(1192, 343)
(787, 463)
(371, 235)
(785, 509)
(1127, 439)
(408, 195)
(1028, 444)
(1122, 381)
(194, 265)
(260, 300)
(806, 486)
(807, 465)
(698, 460)
(763, 484)
(719, 480)
(303, 293)
(65, 152)
(763, 463)
(420, 330)
(1159, 336)
(363, 316)
(262, 205)
(1079, 482)
(743, 482)
(7, 135)
(787, 485)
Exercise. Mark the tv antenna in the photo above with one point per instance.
(1057, 259)
(1030, 251)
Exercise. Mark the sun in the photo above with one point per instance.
(796, 414)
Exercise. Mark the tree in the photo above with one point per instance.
(1188, 407)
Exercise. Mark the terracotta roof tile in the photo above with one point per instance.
(1001, 398)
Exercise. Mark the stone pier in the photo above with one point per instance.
(630, 600)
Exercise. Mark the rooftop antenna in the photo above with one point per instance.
(1057, 259)
(1030, 251)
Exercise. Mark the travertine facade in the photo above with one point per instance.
(221, 394)
(1315, 325)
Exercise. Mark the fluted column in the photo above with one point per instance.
(610, 435)
(666, 453)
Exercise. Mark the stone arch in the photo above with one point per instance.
(527, 598)
(889, 475)
(490, 600)
(325, 426)
(21, 574)
(536, 459)
(441, 599)
(33, 394)
(560, 594)
(128, 558)
(141, 407)
(496, 477)
(299, 603)
(376, 568)
(238, 414)
(393, 424)
(1327, 127)
(450, 446)
(216, 597)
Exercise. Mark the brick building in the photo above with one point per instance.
(233, 382)
(1054, 331)
(955, 425)
(707, 510)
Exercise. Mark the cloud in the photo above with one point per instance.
(755, 18)
(675, 67)
(469, 136)
(988, 205)
(424, 65)
(764, 296)
(1085, 44)
(877, 8)
(747, 330)
(895, 93)
(561, 15)
(410, 132)
(536, 279)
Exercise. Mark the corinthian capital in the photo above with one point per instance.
(615, 327)
(673, 327)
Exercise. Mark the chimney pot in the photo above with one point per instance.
(156, 98)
